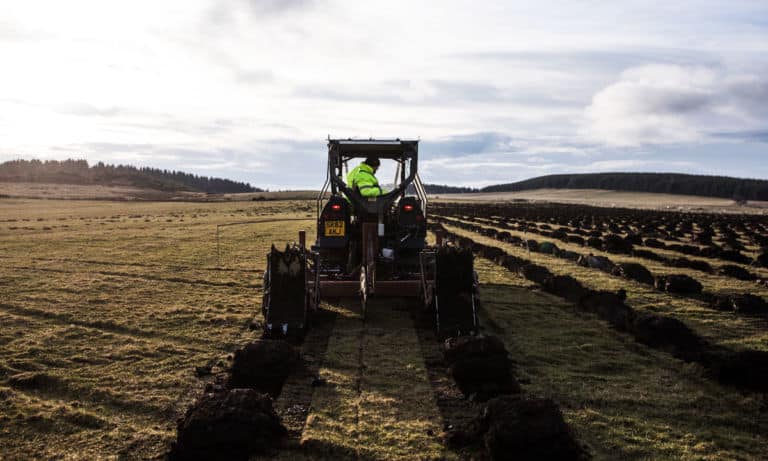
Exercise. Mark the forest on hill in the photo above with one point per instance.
(445, 189)
(79, 172)
(662, 183)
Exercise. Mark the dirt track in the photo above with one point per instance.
(377, 401)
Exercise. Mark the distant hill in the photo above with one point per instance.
(80, 173)
(662, 183)
(443, 189)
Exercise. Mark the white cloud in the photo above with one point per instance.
(215, 84)
(634, 164)
(673, 104)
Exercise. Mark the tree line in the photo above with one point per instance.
(79, 172)
(445, 189)
(663, 183)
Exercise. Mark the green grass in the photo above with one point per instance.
(624, 400)
(105, 320)
(725, 328)
(735, 285)
(377, 403)
(107, 308)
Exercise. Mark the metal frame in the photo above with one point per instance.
(341, 151)
(271, 328)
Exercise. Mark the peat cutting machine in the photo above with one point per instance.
(370, 247)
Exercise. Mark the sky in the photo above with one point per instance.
(497, 91)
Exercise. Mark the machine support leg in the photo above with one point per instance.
(370, 251)
(363, 292)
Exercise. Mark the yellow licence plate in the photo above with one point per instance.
(334, 228)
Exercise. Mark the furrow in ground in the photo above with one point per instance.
(611, 388)
(331, 427)
(377, 402)
(399, 417)
(721, 328)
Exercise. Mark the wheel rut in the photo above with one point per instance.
(376, 401)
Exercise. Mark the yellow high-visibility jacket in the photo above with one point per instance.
(362, 180)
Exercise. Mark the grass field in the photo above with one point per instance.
(594, 197)
(624, 400)
(107, 309)
(725, 328)
(378, 404)
(52, 191)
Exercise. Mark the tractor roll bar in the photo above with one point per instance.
(341, 151)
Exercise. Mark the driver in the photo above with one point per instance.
(362, 178)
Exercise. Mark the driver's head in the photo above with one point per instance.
(373, 162)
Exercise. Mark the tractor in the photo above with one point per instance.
(370, 247)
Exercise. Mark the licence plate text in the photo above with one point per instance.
(334, 228)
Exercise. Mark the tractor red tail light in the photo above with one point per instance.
(407, 207)
(335, 207)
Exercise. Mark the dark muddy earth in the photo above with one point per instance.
(480, 366)
(229, 425)
(263, 365)
(516, 427)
